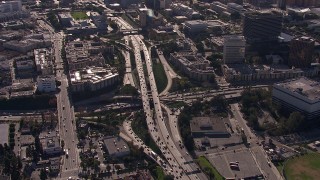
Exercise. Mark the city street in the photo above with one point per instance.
(67, 128)
(258, 153)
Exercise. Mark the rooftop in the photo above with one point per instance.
(303, 86)
(92, 74)
(208, 124)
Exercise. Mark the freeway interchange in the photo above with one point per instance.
(177, 164)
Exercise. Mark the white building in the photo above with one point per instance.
(46, 83)
(42, 58)
(93, 79)
(299, 94)
(234, 49)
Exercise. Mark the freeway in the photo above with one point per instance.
(128, 79)
(172, 122)
(181, 169)
(156, 127)
(138, 142)
(169, 72)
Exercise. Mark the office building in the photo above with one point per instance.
(302, 95)
(234, 49)
(10, 10)
(10, 6)
(262, 26)
(46, 83)
(93, 78)
(282, 4)
(301, 52)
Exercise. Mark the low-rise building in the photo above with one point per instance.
(199, 26)
(93, 78)
(194, 66)
(195, 26)
(81, 54)
(299, 94)
(235, 8)
(211, 127)
(184, 10)
(29, 43)
(116, 147)
(46, 83)
(43, 61)
(239, 73)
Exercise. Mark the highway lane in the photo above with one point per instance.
(128, 79)
(169, 72)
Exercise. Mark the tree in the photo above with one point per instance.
(294, 122)
(168, 177)
(108, 168)
(43, 174)
(62, 144)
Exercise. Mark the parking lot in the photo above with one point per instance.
(244, 159)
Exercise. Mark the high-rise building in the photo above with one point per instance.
(262, 26)
(234, 49)
(158, 4)
(282, 4)
(301, 52)
(10, 6)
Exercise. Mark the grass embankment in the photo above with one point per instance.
(140, 128)
(306, 167)
(208, 168)
(160, 76)
(78, 15)
(160, 173)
